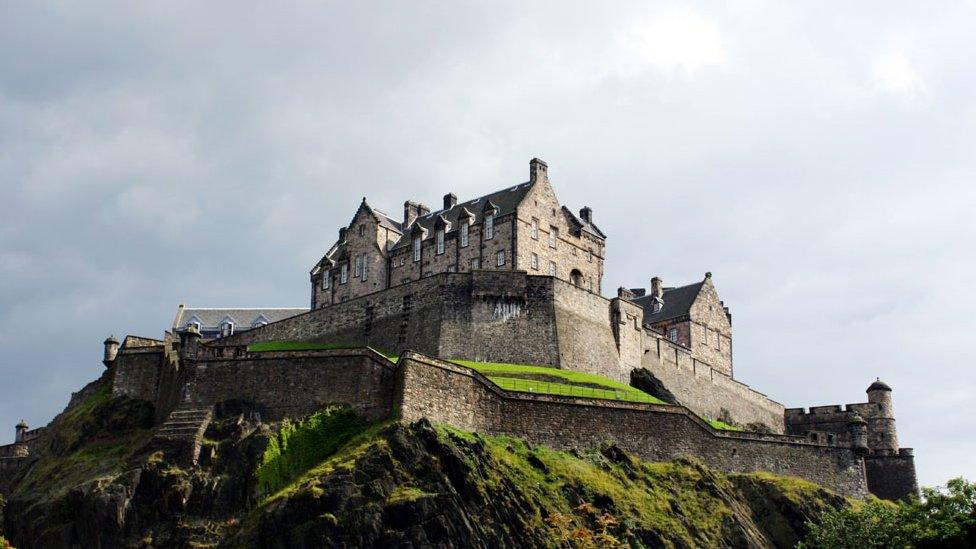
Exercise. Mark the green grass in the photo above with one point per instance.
(721, 425)
(573, 384)
(268, 346)
(299, 446)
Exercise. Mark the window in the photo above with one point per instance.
(553, 236)
(359, 267)
(501, 257)
(344, 273)
(589, 255)
(416, 248)
(673, 335)
(452, 268)
(489, 226)
(475, 264)
(362, 230)
(327, 279)
(465, 227)
(226, 329)
(535, 262)
(589, 284)
(364, 266)
(440, 241)
(535, 229)
(552, 268)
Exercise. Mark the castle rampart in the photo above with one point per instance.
(444, 392)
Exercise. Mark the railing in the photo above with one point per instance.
(560, 389)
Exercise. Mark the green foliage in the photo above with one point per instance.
(721, 425)
(301, 445)
(572, 383)
(941, 518)
(4, 544)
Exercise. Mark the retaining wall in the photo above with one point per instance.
(443, 392)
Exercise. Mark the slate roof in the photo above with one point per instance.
(387, 221)
(879, 386)
(243, 318)
(585, 225)
(677, 303)
(506, 200)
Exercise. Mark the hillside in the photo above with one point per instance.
(334, 479)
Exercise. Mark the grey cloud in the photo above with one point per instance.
(819, 162)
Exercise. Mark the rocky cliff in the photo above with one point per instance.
(335, 480)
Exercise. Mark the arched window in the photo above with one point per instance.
(576, 278)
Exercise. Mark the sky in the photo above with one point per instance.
(818, 158)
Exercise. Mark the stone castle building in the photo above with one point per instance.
(512, 276)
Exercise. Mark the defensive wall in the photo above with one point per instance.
(509, 316)
(705, 390)
(296, 383)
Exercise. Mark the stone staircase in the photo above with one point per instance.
(181, 435)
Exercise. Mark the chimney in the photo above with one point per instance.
(538, 170)
(657, 287)
(342, 234)
(586, 214)
(450, 200)
(657, 293)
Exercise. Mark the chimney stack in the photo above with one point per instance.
(450, 200)
(342, 234)
(586, 213)
(413, 210)
(538, 170)
(657, 287)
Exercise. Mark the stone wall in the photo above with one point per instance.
(136, 372)
(443, 392)
(833, 420)
(711, 330)
(705, 390)
(892, 476)
(294, 384)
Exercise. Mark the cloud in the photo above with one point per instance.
(818, 162)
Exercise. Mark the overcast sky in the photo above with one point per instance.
(817, 158)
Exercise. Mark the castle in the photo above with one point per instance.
(509, 277)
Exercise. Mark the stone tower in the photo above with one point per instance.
(111, 350)
(881, 422)
(21, 431)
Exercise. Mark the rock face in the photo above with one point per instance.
(643, 379)
(102, 484)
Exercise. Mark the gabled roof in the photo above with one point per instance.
(677, 303)
(242, 317)
(505, 200)
(387, 221)
(584, 225)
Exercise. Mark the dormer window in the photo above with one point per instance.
(226, 328)
(416, 247)
(194, 324)
(489, 226)
(439, 235)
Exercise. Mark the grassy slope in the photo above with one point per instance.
(596, 498)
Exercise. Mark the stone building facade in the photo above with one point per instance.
(523, 227)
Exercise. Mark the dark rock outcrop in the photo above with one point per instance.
(643, 379)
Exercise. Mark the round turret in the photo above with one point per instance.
(858, 429)
(111, 350)
(880, 416)
(20, 431)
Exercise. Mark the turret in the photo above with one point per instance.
(881, 419)
(190, 341)
(111, 350)
(21, 431)
(858, 429)
(657, 294)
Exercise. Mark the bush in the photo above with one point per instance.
(941, 518)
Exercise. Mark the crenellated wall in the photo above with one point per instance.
(705, 390)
